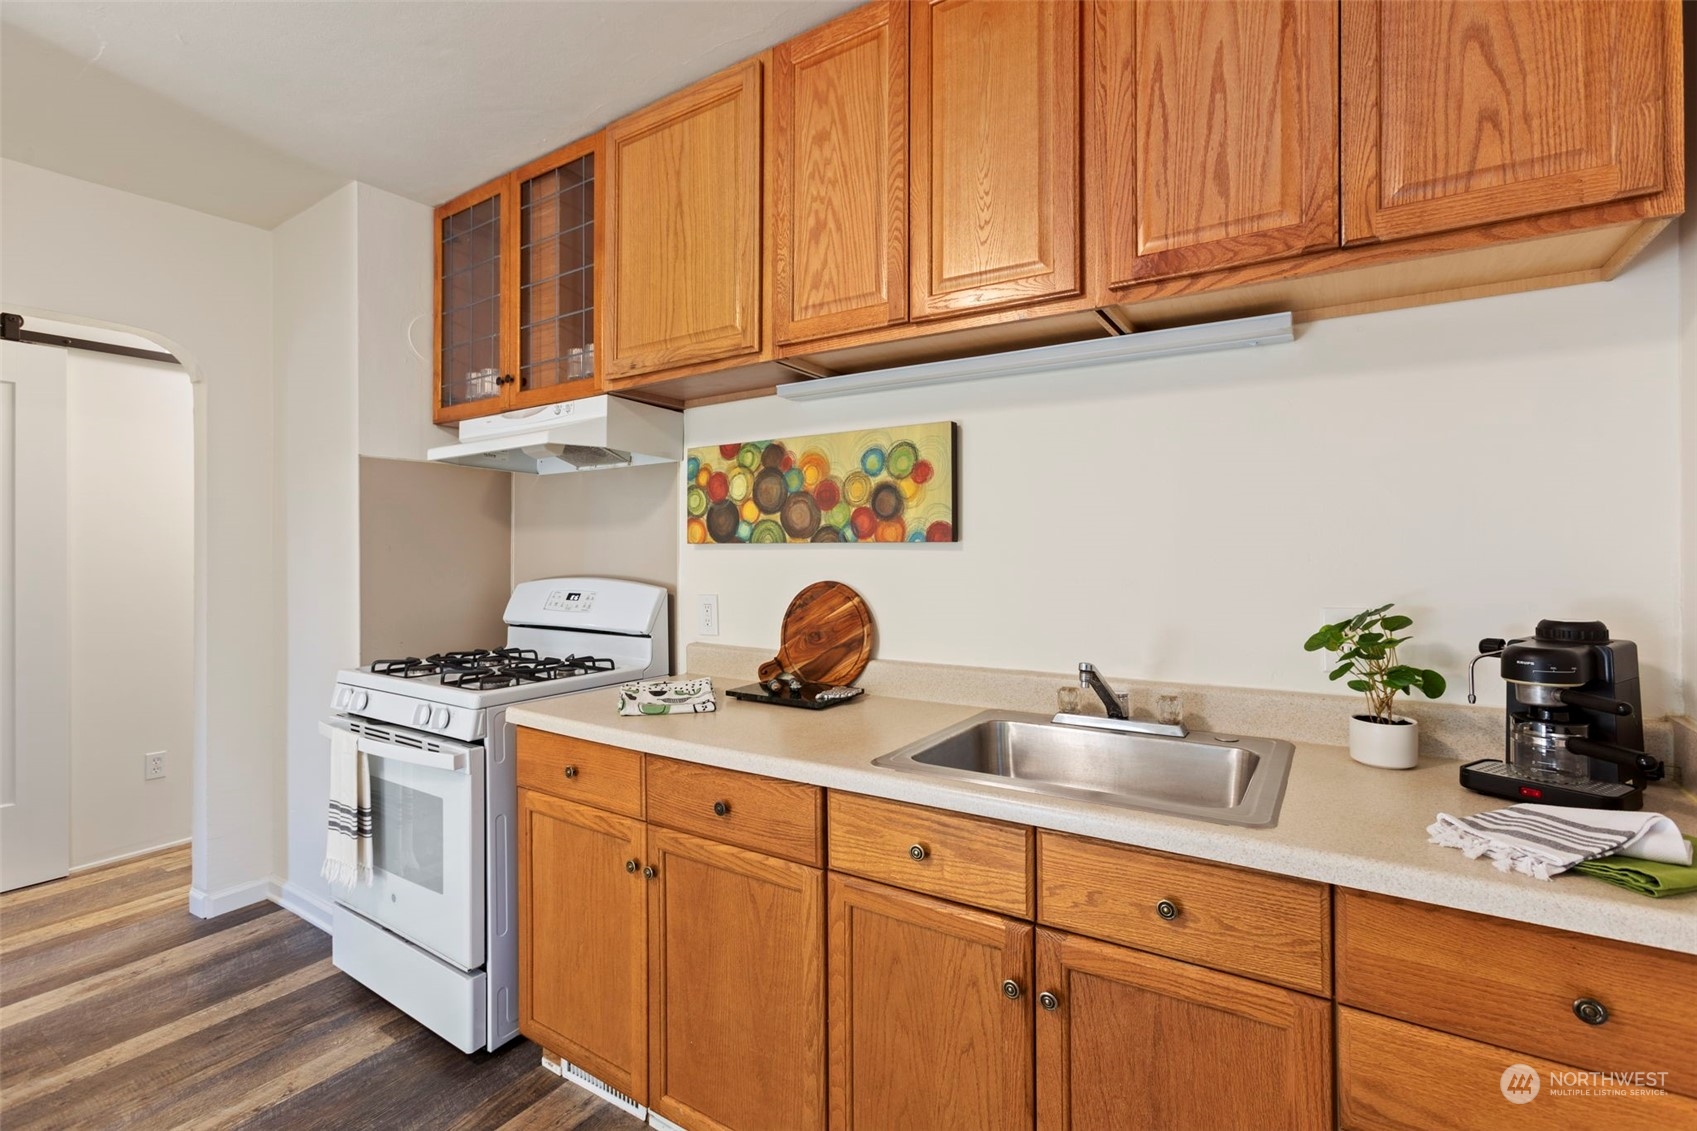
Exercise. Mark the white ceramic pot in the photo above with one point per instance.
(1392, 746)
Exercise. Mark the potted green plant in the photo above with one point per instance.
(1366, 645)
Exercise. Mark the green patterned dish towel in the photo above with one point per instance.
(1647, 877)
(666, 697)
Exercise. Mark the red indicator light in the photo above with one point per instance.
(1528, 791)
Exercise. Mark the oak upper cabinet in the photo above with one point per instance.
(1212, 134)
(583, 956)
(474, 344)
(930, 1013)
(516, 297)
(996, 136)
(1127, 1040)
(737, 1012)
(1458, 114)
(683, 227)
(839, 144)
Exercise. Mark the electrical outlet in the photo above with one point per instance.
(1331, 614)
(153, 765)
(709, 614)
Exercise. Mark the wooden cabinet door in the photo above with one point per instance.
(1213, 133)
(551, 276)
(737, 999)
(474, 343)
(583, 954)
(995, 153)
(1461, 113)
(1136, 1041)
(839, 208)
(683, 227)
(923, 1033)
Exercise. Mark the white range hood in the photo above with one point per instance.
(580, 435)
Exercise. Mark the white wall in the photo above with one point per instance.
(394, 264)
(130, 524)
(315, 288)
(201, 286)
(1483, 464)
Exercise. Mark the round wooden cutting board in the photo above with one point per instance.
(826, 636)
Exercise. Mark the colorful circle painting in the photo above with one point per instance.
(894, 485)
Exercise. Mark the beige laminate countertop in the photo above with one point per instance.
(1340, 823)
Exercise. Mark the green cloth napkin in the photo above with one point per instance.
(1647, 877)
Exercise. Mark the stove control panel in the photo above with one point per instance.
(569, 601)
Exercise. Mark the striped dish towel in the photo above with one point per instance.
(347, 853)
(1547, 840)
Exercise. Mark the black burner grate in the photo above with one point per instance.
(489, 669)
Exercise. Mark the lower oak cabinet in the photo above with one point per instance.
(930, 1013)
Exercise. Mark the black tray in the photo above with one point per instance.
(804, 697)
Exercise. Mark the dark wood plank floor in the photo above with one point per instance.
(120, 1009)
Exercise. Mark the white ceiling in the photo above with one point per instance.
(255, 110)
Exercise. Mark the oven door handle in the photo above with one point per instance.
(448, 761)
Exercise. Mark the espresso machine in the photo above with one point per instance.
(1574, 729)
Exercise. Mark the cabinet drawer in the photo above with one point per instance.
(587, 772)
(1397, 1076)
(970, 860)
(780, 818)
(1269, 927)
(1516, 985)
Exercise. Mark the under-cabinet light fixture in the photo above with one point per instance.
(1262, 330)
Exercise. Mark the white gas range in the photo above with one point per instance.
(434, 932)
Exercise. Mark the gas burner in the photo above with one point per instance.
(537, 670)
(479, 678)
(410, 668)
(583, 664)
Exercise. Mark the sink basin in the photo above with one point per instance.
(1233, 780)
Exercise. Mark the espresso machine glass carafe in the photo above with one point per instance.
(1573, 732)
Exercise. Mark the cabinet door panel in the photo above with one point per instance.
(1138, 1041)
(473, 344)
(922, 1034)
(1213, 133)
(583, 959)
(996, 135)
(1463, 113)
(552, 276)
(683, 240)
(839, 214)
(737, 946)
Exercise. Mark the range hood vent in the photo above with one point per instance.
(583, 435)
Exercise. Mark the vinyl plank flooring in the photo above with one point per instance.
(119, 1009)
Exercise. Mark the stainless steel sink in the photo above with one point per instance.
(1233, 780)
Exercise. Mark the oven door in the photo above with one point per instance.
(427, 823)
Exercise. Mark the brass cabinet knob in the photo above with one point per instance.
(571, 771)
(1167, 910)
(720, 808)
(918, 852)
(649, 872)
(1010, 990)
(1048, 1001)
(1591, 1011)
(630, 866)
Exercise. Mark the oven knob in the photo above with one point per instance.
(421, 716)
(359, 700)
(441, 718)
(342, 697)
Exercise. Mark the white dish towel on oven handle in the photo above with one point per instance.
(347, 851)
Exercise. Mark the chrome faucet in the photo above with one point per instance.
(1089, 679)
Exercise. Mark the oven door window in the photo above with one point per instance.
(407, 834)
(428, 856)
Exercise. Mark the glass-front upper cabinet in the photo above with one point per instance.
(516, 294)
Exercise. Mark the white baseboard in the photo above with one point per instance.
(292, 897)
(210, 905)
(123, 856)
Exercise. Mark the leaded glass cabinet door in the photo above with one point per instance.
(555, 284)
(473, 350)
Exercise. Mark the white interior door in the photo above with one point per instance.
(35, 714)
